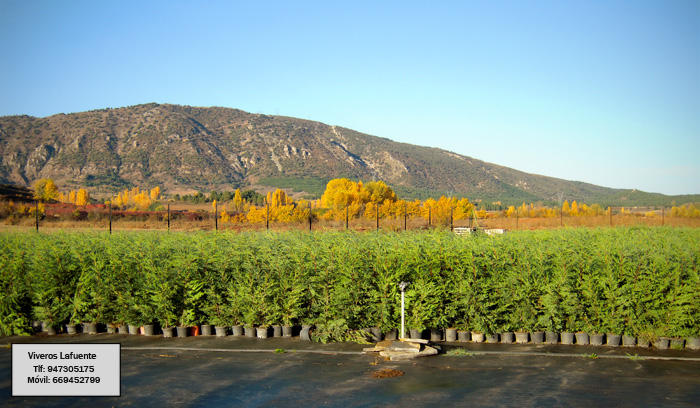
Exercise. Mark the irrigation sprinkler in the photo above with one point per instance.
(403, 286)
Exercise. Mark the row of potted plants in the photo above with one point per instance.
(567, 338)
(640, 282)
(375, 334)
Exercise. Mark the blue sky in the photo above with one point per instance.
(606, 92)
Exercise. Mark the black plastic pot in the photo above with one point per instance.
(661, 343)
(537, 337)
(261, 332)
(304, 334)
(123, 329)
(435, 335)
(90, 328)
(168, 331)
(451, 335)
(71, 329)
(415, 334)
(206, 330)
(376, 333)
(277, 331)
(567, 338)
(643, 343)
(51, 330)
(522, 337)
(237, 330)
(613, 340)
(463, 336)
(183, 331)
(693, 343)
(133, 329)
(36, 326)
(111, 329)
(507, 337)
(629, 341)
(149, 330)
(581, 338)
(249, 331)
(677, 343)
(551, 337)
(391, 335)
(596, 339)
(492, 338)
(286, 331)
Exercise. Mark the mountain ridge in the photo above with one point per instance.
(213, 148)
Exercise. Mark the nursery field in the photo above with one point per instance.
(636, 281)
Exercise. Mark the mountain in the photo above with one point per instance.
(183, 148)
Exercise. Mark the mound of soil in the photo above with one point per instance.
(387, 373)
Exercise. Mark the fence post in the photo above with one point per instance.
(377, 210)
(561, 216)
(662, 215)
(452, 228)
(405, 216)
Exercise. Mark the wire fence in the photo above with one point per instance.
(103, 217)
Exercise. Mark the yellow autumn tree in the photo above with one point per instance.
(379, 192)
(237, 200)
(82, 197)
(340, 193)
(574, 208)
(565, 208)
(135, 199)
(45, 190)
(256, 215)
(155, 193)
(278, 198)
(463, 209)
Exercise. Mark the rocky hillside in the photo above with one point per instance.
(184, 148)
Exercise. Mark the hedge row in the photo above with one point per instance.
(639, 281)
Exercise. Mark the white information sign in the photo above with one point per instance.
(66, 370)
